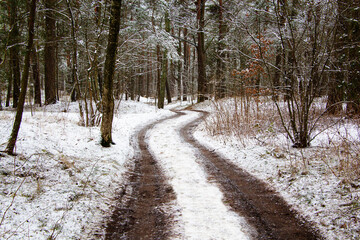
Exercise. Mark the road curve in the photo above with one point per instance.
(142, 213)
(263, 208)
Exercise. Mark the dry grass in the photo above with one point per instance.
(337, 147)
(244, 118)
(341, 152)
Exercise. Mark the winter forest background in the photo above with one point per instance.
(268, 67)
(296, 51)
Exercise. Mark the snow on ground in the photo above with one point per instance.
(303, 177)
(202, 213)
(63, 182)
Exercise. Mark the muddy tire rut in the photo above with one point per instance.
(263, 208)
(142, 213)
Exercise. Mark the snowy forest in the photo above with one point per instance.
(178, 119)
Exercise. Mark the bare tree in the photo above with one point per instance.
(306, 44)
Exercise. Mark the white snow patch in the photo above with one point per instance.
(63, 182)
(203, 215)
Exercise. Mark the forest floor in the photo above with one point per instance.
(63, 185)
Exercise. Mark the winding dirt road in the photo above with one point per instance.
(145, 203)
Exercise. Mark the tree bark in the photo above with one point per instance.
(221, 88)
(158, 71)
(186, 78)
(168, 91)
(8, 92)
(24, 81)
(50, 52)
(277, 74)
(36, 76)
(74, 65)
(14, 52)
(164, 67)
(201, 55)
(163, 80)
(108, 98)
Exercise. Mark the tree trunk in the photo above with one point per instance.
(201, 55)
(132, 85)
(220, 69)
(97, 81)
(14, 52)
(20, 108)
(168, 91)
(179, 78)
(74, 67)
(163, 80)
(50, 52)
(186, 78)
(158, 70)
(36, 76)
(277, 74)
(148, 75)
(164, 67)
(108, 98)
(8, 92)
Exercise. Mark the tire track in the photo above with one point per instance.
(140, 212)
(263, 208)
(200, 212)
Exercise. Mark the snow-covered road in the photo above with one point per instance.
(202, 214)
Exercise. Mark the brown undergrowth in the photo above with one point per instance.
(336, 143)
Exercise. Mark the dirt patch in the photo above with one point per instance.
(140, 212)
(263, 208)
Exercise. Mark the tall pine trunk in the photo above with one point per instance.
(163, 79)
(36, 77)
(201, 55)
(50, 52)
(14, 52)
(8, 92)
(220, 68)
(24, 81)
(186, 78)
(164, 71)
(108, 98)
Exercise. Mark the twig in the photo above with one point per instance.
(87, 179)
(12, 201)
